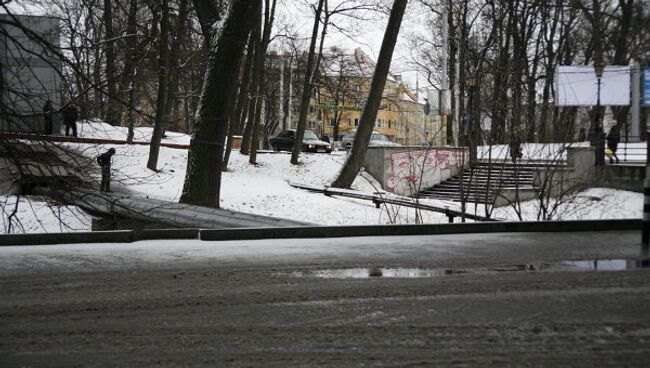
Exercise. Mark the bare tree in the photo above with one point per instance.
(163, 77)
(260, 58)
(203, 177)
(357, 155)
(307, 86)
(111, 79)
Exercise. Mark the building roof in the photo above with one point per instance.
(338, 62)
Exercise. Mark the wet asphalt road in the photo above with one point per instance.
(490, 300)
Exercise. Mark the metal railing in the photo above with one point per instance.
(631, 150)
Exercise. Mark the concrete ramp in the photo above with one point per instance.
(168, 213)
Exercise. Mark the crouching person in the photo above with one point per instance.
(104, 160)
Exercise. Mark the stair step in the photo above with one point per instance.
(500, 177)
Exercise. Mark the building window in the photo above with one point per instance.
(356, 122)
(332, 122)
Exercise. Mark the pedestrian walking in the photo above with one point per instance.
(70, 119)
(613, 138)
(104, 160)
(47, 111)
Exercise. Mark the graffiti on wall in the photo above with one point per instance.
(408, 172)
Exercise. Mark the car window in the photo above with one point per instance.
(284, 134)
(378, 137)
(310, 135)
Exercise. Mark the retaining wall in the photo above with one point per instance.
(407, 170)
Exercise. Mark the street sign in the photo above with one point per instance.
(645, 95)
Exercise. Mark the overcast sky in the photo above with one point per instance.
(362, 30)
(366, 33)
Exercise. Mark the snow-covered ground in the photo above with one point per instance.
(263, 189)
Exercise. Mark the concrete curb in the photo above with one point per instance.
(426, 229)
(129, 236)
(119, 236)
(160, 234)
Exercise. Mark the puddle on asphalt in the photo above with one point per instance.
(364, 273)
(414, 273)
(607, 265)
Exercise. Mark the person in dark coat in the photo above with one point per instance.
(613, 138)
(70, 119)
(104, 160)
(515, 145)
(47, 111)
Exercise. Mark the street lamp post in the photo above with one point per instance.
(598, 136)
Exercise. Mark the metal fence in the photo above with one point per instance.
(630, 150)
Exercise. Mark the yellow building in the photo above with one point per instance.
(340, 95)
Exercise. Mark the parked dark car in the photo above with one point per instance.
(310, 143)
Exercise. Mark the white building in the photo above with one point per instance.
(30, 73)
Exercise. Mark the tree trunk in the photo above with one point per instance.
(232, 123)
(174, 70)
(621, 57)
(244, 89)
(450, 118)
(208, 14)
(360, 146)
(163, 77)
(254, 98)
(129, 75)
(203, 177)
(260, 59)
(111, 81)
(307, 87)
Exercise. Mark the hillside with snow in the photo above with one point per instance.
(263, 189)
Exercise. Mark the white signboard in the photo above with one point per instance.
(578, 86)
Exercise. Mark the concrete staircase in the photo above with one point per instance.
(485, 181)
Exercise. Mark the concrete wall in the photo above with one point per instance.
(581, 160)
(406, 170)
(557, 179)
(628, 177)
